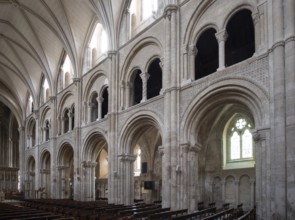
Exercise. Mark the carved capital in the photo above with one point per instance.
(144, 76)
(161, 150)
(221, 36)
(127, 158)
(169, 10)
(185, 147)
(257, 136)
(192, 50)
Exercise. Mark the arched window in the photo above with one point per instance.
(154, 82)
(31, 133)
(105, 103)
(239, 146)
(206, 61)
(142, 14)
(44, 93)
(47, 130)
(137, 162)
(137, 87)
(66, 121)
(240, 44)
(30, 105)
(72, 117)
(66, 74)
(98, 45)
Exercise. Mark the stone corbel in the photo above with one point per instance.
(76, 80)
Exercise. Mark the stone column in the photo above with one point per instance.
(122, 95)
(184, 192)
(99, 101)
(90, 106)
(289, 12)
(278, 148)
(128, 178)
(144, 77)
(221, 37)
(70, 115)
(193, 180)
(22, 164)
(192, 53)
(63, 125)
(262, 173)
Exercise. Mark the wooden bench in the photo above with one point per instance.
(199, 214)
(167, 214)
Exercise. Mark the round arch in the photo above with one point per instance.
(133, 53)
(134, 128)
(95, 138)
(231, 90)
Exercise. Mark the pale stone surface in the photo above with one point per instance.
(180, 131)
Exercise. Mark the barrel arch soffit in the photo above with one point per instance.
(247, 92)
(90, 139)
(133, 123)
(62, 148)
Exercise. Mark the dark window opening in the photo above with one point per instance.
(47, 131)
(240, 44)
(66, 121)
(73, 118)
(206, 61)
(105, 103)
(154, 83)
(137, 86)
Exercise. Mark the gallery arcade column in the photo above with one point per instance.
(144, 77)
(99, 101)
(221, 37)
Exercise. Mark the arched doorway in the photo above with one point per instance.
(141, 163)
(45, 174)
(66, 172)
(95, 167)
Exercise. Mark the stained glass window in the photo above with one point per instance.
(241, 144)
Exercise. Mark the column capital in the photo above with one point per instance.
(192, 50)
(36, 114)
(111, 54)
(255, 17)
(99, 99)
(221, 36)
(20, 129)
(185, 147)
(258, 136)
(144, 76)
(52, 98)
(169, 10)
(161, 150)
(127, 157)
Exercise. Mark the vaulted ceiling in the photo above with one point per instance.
(35, 33)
